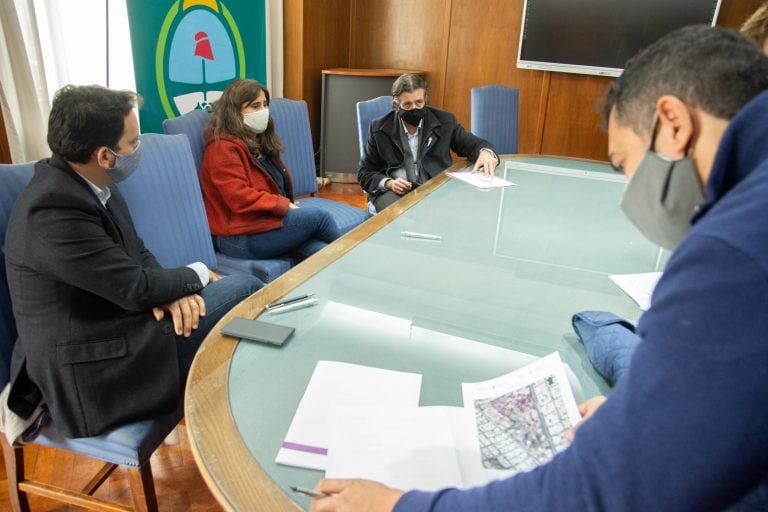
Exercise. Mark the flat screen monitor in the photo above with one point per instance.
(597, 37)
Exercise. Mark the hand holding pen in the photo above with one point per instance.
(309, 492)
(353, 495)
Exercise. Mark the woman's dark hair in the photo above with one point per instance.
(227, 118)
(85, 118)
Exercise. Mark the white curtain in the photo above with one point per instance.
(274, 22)
(23, 86)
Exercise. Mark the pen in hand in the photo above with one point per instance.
(309, 492)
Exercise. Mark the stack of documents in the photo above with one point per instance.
(336, 384)
(508, 424)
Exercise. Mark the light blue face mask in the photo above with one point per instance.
(124, 165)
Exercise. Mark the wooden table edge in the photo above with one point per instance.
(225, 463)
(232, 474)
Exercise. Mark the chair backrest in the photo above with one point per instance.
(494, 113)
(13, 179)
(166, 204)
(291, 120)
(367, 111)
(194, 125)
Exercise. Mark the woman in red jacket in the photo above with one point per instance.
(247, 189)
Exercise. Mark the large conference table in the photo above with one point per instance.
(497, 291)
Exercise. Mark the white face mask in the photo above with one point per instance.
(257, 121)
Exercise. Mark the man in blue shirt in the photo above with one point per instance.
(686, 429)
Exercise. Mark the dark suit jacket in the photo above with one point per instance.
(82, 286)
(441, 134)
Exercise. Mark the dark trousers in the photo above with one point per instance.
(219, 296)
(385, 199)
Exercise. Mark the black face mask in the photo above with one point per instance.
(413, 116)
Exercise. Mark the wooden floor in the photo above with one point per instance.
(178, 483)
(349, 193)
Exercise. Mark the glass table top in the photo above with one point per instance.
(495, 292)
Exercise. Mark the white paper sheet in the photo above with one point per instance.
(480, 180)
(405, 448)
(431, 448)
(639, 287)
(341, 384)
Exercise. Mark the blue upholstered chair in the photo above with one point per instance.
(164, 198)
(292, 126)
(494, 113)
(367, 111)
(194, 126)
(291, 120)
(129, 446)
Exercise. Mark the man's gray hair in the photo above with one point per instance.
(407, 83)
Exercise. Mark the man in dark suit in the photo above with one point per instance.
(413, 143)
(106, 335)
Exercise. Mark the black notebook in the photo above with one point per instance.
(256, 330)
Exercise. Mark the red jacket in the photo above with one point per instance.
(240, 196)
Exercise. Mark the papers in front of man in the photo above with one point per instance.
(639, 287)
(509, 424)
(341, 384)
(479, 179)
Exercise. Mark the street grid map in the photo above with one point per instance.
(524, 428)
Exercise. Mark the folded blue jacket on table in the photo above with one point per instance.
(609, 340)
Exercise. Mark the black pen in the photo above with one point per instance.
(309, 492)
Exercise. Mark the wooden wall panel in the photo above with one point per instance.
(402, 34)
(571, 125)
(479, 57)
(293, 48)
(317, 38)
(460, 44)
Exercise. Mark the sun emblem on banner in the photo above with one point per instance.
(199, 51)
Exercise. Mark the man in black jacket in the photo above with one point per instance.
(105, 334)
(413, 143)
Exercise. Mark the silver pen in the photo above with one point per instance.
(300, 304)
(420, 236)
(285, 302)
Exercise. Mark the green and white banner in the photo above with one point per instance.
(186, 52)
